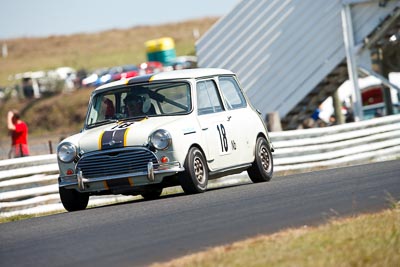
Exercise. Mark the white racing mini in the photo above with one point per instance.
(172, 128)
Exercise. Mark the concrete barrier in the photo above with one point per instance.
(29, 185)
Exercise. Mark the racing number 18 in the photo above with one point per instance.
(222, 137)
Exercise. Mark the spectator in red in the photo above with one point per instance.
(19, 134)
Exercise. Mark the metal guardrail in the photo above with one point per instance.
(29, 185)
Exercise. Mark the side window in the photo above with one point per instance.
(208, 100)
(232, 95)
(103, 108)
(179, 99)
(107, 110)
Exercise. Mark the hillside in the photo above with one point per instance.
(102, 49)
(63, 114)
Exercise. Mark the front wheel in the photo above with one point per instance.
(72, 200)
(263, 166)
(195, 177)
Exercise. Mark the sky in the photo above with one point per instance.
(41, 18)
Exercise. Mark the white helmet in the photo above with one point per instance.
(146, 103)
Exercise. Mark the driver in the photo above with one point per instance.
(107, 108)
(137, 105)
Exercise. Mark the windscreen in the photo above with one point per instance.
(136, 101)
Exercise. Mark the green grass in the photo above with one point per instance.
(366, 240)
(26, 216)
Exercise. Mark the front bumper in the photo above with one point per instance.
(153, 174)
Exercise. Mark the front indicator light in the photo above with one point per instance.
(164, 159)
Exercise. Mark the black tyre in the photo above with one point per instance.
(263, 166)
(72, 200)
(151, 194)
(195, 177)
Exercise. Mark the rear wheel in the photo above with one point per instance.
(263, 166)
(195, 177)
(152, 194)
(72, 200)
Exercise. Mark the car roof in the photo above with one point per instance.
(170, 75)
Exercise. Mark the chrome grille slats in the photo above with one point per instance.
(115, 162)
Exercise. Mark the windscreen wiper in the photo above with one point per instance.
(100, 123)
(135, 118)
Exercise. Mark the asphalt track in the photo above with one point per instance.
(140, 233)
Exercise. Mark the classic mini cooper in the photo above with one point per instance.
(173, 128)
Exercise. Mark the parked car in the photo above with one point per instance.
(151, 67)
(125, 72)
(107, 76)
(93, 79)
(172, 128)
(185, 62)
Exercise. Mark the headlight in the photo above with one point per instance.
(66, 152)
(160, 139)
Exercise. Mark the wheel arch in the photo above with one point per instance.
(201, 150)
(266, 137)
(261, 134)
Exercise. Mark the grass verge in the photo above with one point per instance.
(365, 240)
(26, 216)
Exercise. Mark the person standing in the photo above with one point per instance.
(19, 134)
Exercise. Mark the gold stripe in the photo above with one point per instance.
(106, 185)
(99, 141)
(130, 181)
(126, 135)
(151, 78)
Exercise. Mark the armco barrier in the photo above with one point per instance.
(29, 185)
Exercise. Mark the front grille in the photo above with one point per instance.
(116, 162)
